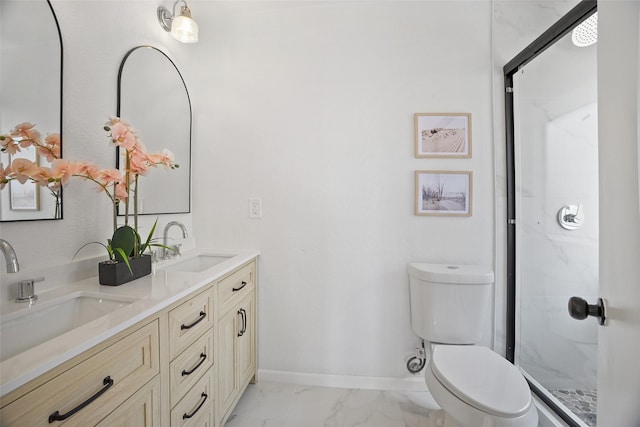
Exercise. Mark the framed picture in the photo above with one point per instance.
(24, 197)
(443, 193)
(443, 135)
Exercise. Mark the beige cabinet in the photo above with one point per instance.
(140, 410)
(237, 337)
(192, 355)
(187, 365)
(86, 393)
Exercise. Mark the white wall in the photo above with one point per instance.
(309, 106)
(618, 112)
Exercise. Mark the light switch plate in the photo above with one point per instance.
(255, 208)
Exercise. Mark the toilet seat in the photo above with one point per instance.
(482, 379)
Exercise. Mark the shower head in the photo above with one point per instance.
(586, 33)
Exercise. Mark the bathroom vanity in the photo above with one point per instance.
(179, 350)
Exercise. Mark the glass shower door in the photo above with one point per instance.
(556, 170)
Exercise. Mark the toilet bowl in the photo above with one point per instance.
(476, 387)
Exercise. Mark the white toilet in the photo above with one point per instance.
(474, 386)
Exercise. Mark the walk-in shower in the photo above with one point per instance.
(552, 168)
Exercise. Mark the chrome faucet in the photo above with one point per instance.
(165, 234)
(10, 256)
(27, 290)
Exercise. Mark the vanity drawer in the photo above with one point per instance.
(111, 376)
(189, 366)
(198, 401)
(188, 321)
(235, 286)
(140, 410)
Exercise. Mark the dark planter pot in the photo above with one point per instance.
(115, 274)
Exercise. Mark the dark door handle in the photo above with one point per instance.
(242, 285)
(200, 319)
(107, 383)
(203, 396)
(202, 358)
(580, 309)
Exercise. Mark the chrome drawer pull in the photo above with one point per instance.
(200, 319)
(242, 285)
(108, 382)
(203, 357)
(187, 416)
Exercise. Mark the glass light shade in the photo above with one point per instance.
(184, 29)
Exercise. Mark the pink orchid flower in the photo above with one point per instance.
(25, 131)
(9, 145)
(4, 175)
(23, 169)
(121, 191)
(109, 176)
(63, 170)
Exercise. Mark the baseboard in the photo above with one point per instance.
(415, 383)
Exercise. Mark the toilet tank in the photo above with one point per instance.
(449, 303)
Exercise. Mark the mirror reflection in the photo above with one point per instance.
(153, 97)
(30, 91)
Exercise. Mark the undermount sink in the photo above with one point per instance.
(46, 320)
(197, 263)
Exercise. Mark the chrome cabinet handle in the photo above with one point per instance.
(243, 316)
(242, 285)
(203, 357)
(241, 331)
(107, 382)
(200, 319)
(187, 416)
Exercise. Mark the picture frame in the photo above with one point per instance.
(443, 135)
(443, 193)
(24, 197)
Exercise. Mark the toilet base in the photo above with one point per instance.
(441, 419)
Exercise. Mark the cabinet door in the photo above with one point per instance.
(227, 378)
(246, 341)
(140, 410)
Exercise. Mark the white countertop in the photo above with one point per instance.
(152, 293)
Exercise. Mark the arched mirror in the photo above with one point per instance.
(30, 91)
(153, 98)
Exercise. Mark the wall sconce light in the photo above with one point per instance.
(181, 27)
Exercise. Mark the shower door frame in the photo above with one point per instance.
(563, 26)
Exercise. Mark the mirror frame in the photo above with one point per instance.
(60, 132)
(119, 100)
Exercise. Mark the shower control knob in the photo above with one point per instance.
(580, 309)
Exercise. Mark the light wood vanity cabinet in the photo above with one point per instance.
(185, 366)
(191, 349)
(86, 393)
(237, 337)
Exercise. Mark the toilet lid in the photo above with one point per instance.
(481, 378)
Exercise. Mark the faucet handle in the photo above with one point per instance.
(176, 249)
(26, 290)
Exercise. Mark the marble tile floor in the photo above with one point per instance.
(269, 404)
